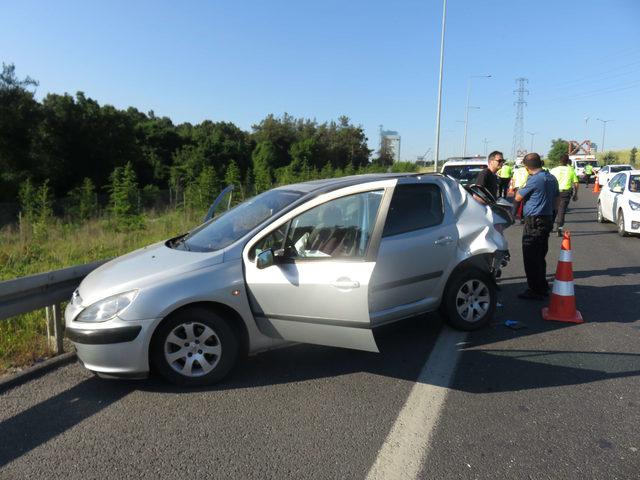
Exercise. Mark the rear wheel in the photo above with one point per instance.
(621, 231)
(470, 299)
(195, 347)
(600, 216)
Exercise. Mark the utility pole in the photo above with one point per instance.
(533, 134)
(518, 128)
(486, 142)
(466, 111)
(437, 153)
(604, 128)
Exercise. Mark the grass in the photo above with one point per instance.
(23, 338)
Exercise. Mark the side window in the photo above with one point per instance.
(414, 207)
(616, 181)
(273, 240)
(340, 228)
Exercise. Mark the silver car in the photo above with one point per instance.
(322, 262)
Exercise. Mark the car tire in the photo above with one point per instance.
(469, 300)
(195, 347)
(620, 221)
(599, 215)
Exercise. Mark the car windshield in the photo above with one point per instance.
(620, 168)
(583, 163)
(465, 174)
(222, 231)
(634, 183)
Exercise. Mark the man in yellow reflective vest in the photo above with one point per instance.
(518, 180)
(568, 185)
(588, 171)
(504, 176)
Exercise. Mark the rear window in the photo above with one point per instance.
(621, 168)
(465, 174)
(414, 207)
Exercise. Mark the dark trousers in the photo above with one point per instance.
(561, 206)
(503, 187)
(535, 244)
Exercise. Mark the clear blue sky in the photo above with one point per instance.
(375, 61)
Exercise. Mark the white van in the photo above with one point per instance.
(578, 162)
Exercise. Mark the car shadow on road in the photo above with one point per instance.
(404, 347)
(36, 425)
(484, 368)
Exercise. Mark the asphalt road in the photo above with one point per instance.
(547, 401)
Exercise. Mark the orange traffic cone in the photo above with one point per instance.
(563, 301)
(596, 186)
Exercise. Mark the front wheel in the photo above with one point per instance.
(621, 231)
(195, 347)
(469, 300)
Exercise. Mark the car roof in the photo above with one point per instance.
(620, 165)
(329, 184)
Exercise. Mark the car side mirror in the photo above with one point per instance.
(265, 259)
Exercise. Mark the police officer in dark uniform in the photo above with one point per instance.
(540, 195)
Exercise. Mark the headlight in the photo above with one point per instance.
(634, 205)
(108, 308)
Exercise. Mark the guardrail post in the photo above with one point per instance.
(57, 328)
(50, 338)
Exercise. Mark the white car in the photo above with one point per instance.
(619, 202)
(464, 170)
(607, 172)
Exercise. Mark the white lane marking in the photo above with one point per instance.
(409, 440)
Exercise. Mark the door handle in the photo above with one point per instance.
(443, 241)
(345, 284)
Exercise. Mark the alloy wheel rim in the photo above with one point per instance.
(620, 223)
(473, 300)
(192, 349)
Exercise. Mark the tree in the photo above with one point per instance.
(609, 158)
(36, 207)
(632, 156)
(264, 158)
(559, 147)
(201, 193)
(84, 201)
(123, 199)
(19, 119)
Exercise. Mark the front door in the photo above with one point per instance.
(317, 292)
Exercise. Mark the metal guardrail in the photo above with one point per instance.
(49, 289)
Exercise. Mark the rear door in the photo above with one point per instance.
(318, 291)
(416, 250)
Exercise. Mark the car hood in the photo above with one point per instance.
(141, 268)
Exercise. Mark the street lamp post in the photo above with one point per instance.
(466, 111)
(604, 128)
(437, 152)
(533, 134)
